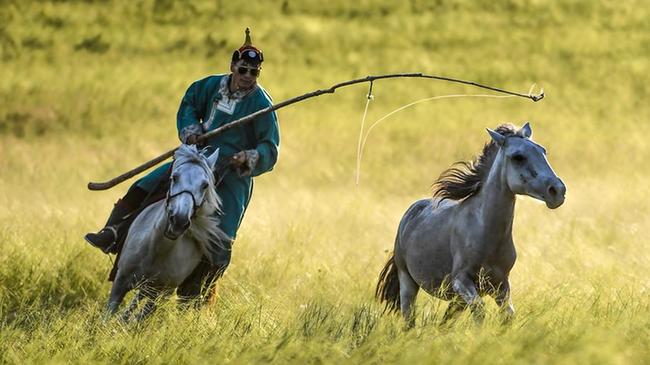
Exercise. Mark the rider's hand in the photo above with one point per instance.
(239, 158)
(191, 134)
(245, 161)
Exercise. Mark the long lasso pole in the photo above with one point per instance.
(149, 164)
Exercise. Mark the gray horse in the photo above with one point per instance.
(458, 245)
(167, 240)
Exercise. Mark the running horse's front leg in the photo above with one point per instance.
(121, 286)
(465, 287)
(126, 316)
(455, 306)
(504, 301)
(152, 296)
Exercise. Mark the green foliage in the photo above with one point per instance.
(91, 88)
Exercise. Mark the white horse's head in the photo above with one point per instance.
(191, 190)
(526, 168)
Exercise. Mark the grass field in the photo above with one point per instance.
(90, 89)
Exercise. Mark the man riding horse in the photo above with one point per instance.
(251, 149)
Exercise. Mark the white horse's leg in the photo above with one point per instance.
(408, 290)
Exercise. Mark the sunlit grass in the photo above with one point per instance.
(76, 108)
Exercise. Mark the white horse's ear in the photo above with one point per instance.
(526, 131)
(498, 138)
(212, 159)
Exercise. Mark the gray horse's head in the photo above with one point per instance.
(526, 168)
(192, 185)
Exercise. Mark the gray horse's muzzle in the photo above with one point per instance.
(554, 193)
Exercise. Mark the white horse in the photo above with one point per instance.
(167, 240)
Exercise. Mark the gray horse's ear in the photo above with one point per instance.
(212, 159)
(498, 138)
(526, 131)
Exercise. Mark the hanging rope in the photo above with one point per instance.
(362, 141)
(369, 97)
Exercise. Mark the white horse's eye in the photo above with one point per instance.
(205, 185)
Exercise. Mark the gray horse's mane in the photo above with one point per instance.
(465, 178)
(205, 227)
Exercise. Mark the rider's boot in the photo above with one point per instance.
(106, 238)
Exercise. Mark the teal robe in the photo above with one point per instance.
(207, 105)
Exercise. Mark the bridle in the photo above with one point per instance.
(220, 172)
(169, 197)
(196, 206)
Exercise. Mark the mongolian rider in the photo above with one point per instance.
(252, 147)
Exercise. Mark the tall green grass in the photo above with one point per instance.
(90, 89)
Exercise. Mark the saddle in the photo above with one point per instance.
(157, 194)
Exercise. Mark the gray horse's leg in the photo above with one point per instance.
(149, 307)
(456, 306)
(504, 301)
(408, 290)
(464, 286)
(152, 295)
(126, 316)
(118, 291)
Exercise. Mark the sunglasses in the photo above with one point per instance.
(242, 70)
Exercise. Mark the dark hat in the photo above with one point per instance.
(248, 52)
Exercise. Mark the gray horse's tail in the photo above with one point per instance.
(388, 286)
